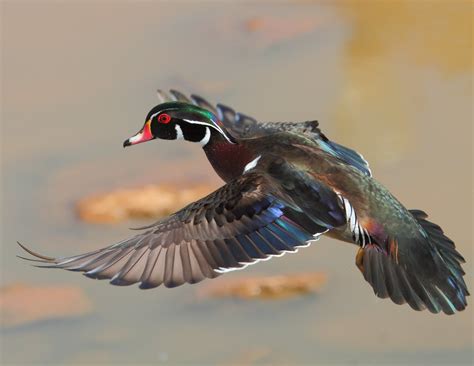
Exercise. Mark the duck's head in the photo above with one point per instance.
(180, 121)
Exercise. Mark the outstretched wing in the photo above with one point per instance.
(245, 221)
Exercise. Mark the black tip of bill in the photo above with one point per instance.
(126, 143)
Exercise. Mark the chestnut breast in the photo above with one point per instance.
(228, 160)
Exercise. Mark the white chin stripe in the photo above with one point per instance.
(179, 132)
(252, 164)
(206, 137)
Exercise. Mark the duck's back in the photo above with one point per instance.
(242, 126)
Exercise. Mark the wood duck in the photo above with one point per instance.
(286, 185)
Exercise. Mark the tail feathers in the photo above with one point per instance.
(449, 260)
(425, 273)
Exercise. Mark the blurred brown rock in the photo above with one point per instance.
(22, 304)
(254, 24)
(147, 201)
(265, 287)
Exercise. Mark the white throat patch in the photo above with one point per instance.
(179, 132)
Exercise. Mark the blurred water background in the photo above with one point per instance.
(390, 79)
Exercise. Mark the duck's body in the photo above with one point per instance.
(373, 203)
(287, 184)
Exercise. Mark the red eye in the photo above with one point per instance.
(164, 118)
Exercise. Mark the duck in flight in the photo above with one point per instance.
(286, 184)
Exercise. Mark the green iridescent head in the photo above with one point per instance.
(179, 121)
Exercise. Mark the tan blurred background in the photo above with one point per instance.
(392, 79)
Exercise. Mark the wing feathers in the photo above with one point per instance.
(252, 250)
(203, 265)
(203, 103)
(177, 273)
(131, 271)
(239, 224)
(237, 251)
(179, 97)
(197, 274)
(187, 270)
(150, 264)
(155, 274)
(169, 264)
(225, 114)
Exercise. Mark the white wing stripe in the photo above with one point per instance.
(245, 265)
